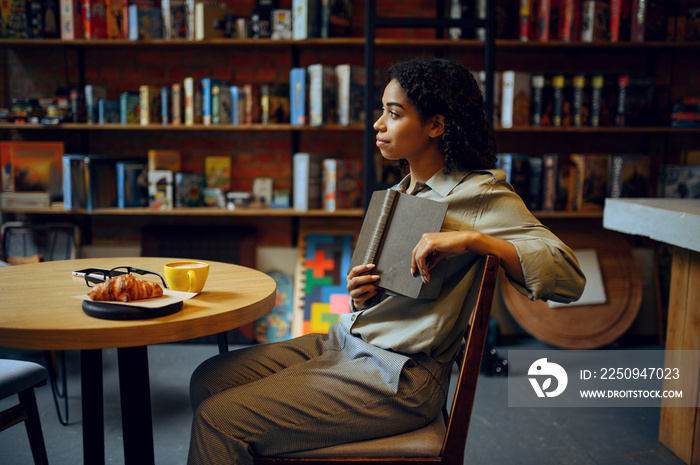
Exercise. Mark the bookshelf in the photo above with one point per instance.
(81, 61)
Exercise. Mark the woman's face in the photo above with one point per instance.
(400, 133)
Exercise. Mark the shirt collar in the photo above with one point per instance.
(440, 182)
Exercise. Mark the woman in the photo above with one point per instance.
(384, 369)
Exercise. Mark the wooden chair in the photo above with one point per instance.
(441, 442)
(19, 377)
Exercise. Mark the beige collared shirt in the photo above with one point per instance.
(478, 201)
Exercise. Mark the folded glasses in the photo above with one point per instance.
(97, 277)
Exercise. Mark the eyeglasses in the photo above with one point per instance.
(97, 277)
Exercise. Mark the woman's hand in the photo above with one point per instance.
(433, 247)
(362, 285)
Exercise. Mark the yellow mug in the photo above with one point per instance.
(188, 276)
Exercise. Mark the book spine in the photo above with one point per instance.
(67, 194)
(615, 12)
(507, 99)
(165, 105)
(343, 102)
(639, 16)
(567, 17)
(534, 194)
(596, 99)
(167, 19)
(525, 20)
(380, 227)
(121, 185)
(297, 96)
(188, 90)
(549, 182)
(579, 84)
(206, 100)
(623, 83)
(543, 12)
(537, 99)
(176, 107)
(235, 106)
(144, 101)
(558, 86)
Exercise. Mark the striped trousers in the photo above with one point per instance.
(310, 392)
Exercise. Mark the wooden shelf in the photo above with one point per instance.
(170, 127)
(194, 211)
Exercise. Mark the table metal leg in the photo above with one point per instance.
(92, 405)
(137, 423)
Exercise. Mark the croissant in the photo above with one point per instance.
(125, 288)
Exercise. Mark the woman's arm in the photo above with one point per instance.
(433, 247)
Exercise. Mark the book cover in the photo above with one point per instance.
(150, 107)
(393, 225)
(279, 104)
(71, 19)
(297, 96)
(34, 20)
(679, 181)
(629, 175)
(211, 101)
(639, 15)
(322, 94)
(281, 24)
(515, 100)
(160, 189)
(526, 20)
(235, 105)
(336, 18)
(189, 189)
(307, 173)
(117, 19)
(549, 181)
(615, 17)
(351, 91)
(623, 83)
(25, 200)
(93, 94)
(536, 98)
(570, 21)
(36, 167)
(132, 184)
(250, 98)
(225, 111)
(595, 21)
(94, 19)
(218, 172)
(641, 104)
(341, 184)
(174, 19)
(543, 12)
(306, 19)
(145, 22)
(129, 108)
(108, 111)
(159, 159)
(562, 114)
(588, 182)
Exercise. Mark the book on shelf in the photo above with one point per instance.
(350, 100)
(393, 225)
(595, 21)
(43, 17)
(210, 87)
(189, 189)
(224, 105)
(587, 182)
(174, 19)
(108, 111)
(217, 170)
(640, 104)
(76, 105)
(93, 93)
(341, 184)
(235, 105)
(117, 12)
(32, 166)
(298, 96)
(307, 173)
(249, 98)
(534, 193)
(581, 105)
(544, 8)
(623, 82)
(336, 18)
(71, 19)
(541, 100)
(145, 22)
(550, 162)
(74, 182)
(160, 159)
(129, 108)
(160, 189)
(210, 20)
(679, 181)
(604, 93)
(165, 105)
(188, 101)
(94, 19)
(132, 183)
(629, 175)
(526, 23)
(6, 184)
(262, 191)
(176, 103)
(150, 106)
(570, 21)
(281, 24)
(515, 99)
(89, 182)
(562, 104)
(517, 169)
(25, 200)
(306, 19)
(322, 94)
(274, 103)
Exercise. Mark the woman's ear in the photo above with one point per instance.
(437, 126)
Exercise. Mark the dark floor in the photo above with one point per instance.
(499, 434)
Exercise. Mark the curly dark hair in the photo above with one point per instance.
(438, 86)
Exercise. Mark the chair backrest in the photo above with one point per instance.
(470, 363)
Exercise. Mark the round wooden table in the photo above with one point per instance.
(40, 311)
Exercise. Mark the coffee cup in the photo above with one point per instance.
(186, 275)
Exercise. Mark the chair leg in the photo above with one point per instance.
(33, 425)
(56, 364)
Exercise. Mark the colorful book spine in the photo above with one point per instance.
(71, 19)
(235, 106)
(188, 92)
(165, 105)
(623, 83)
(129, 109)
(536, 99)
(297, 96)
(176, 104)
(543, 14)
(525, 16)
(579, 85)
